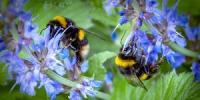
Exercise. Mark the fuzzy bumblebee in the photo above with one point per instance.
(73, 38)
(131, 63)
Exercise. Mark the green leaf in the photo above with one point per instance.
(3, 73)
(45, 10)
(168, 86)
(17, 95)
(96, 67)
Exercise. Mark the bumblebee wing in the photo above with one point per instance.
(135, 81)
(97, 35)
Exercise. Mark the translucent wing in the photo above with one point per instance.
(135, 81)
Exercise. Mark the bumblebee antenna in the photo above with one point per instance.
(42, 30)
(122, 37)
(115, 28)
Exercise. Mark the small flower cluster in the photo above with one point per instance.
(19, 35)
(86, 88)
(162, 28)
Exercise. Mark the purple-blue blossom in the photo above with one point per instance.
(163, 24)
(42, 53)
(196, 70)
(85, 88)
(75, 95)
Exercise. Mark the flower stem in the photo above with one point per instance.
(72, 84)
(183, 51)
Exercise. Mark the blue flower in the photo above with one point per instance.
(196, 70)
(122, 12)
(30, 29)
(24, 72)
(92, 83)
(172, 35)
(193, 33)
(174, 58)
(152, 54)
(183, 20)
(2, 45)
(123, 20)
(43, 52)
(108, 78)
(86, 88)
(84, 66)
(75, 95)
(110, 4)
(16, 6)
(129, 2)
(27, 83)
(26, 16)
(53, 88)
(151, 3)
(114, 36)
(142, 39)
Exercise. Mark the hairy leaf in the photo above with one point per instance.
(168, 86)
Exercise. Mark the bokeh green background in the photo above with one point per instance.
(89, 14)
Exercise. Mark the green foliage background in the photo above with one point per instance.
(89, 14)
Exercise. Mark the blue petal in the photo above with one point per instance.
(108, 77)
(123, 20)
(68, 64)
(122, 13)
(175, 59)
(95, 83)
(25, 16)
(75, 95)
(129, 2)
(196, 70)
(53, 88)
(2, 46)
(64, 53)
(114, 36)
(84, 66)
(152, 3)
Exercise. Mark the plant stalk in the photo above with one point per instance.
(72, 84)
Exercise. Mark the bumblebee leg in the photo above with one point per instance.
(143, 63)
(74, 49)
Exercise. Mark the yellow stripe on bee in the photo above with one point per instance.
(143, 76)
(124, 63)
(81, 34)
(61, 20)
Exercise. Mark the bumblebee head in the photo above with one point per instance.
(126, 50)
(61, 21)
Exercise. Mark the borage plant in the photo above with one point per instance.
(35, 60)
(45, 62)
(162, 38)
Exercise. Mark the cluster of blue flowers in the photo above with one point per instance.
(162, 28)
(19, 35)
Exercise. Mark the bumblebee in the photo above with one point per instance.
(131, 64)
(73, 38)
